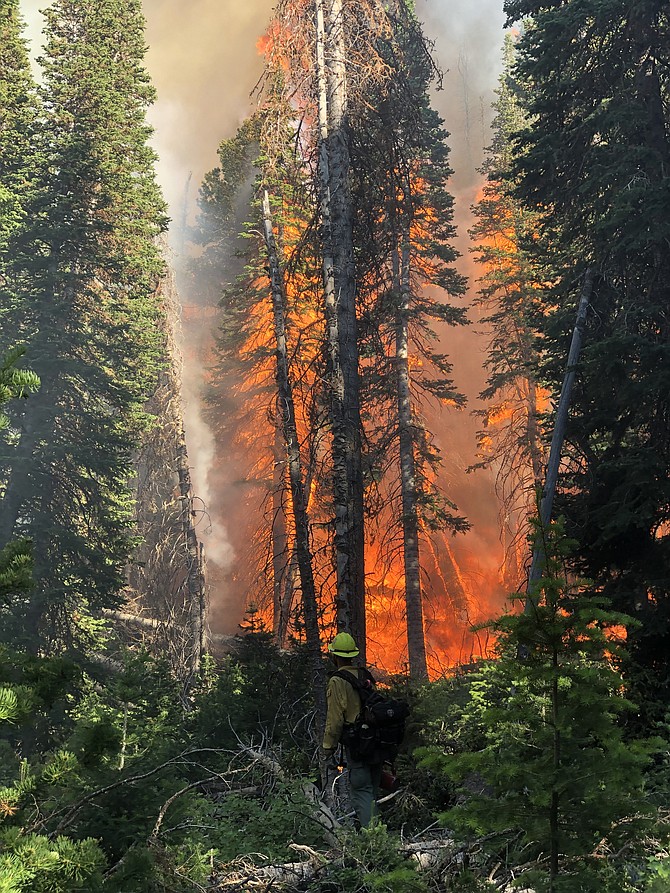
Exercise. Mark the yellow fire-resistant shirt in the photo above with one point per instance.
(344, 705)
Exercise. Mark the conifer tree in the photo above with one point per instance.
(397, 171)
(245, 411)
(29, 861)
(404, 232)
(88, 266)
(595, 166)
(18, 101)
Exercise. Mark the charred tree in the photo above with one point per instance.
(403, 233)
(339, 286)
(558, 436)
(416, 643)
(280, 541)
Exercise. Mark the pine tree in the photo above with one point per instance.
(299, 493)
(29, 860)
(247, 412)
(595, 166)
(404, 232)
(89, 267)
(398, 171)
(18, 101)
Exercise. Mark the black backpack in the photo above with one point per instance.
(378, 731)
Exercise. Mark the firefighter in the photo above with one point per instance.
(344, 706)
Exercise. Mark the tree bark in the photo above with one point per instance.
(556, 761)
(279, 537)
(340, 308)
(416, 643)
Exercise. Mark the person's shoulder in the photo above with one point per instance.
(339, 676)
(337, 686)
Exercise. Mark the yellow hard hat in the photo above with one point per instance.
(343, 645)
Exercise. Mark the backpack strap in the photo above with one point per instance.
(365, 684)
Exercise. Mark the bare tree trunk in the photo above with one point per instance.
(279, 536)
(416, 643)
(289, 587)
(153, 623)
(533, 438)
(298, 494)
(560, 425)
(340, 307)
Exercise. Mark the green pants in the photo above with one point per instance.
(364, 784)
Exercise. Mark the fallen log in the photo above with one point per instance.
(231, 643)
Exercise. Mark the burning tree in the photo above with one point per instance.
(394, 175)
(404, 224)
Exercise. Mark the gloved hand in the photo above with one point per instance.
(327, 757)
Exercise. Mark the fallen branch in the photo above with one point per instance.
(168, 803)
(232, 643)
(245, 874)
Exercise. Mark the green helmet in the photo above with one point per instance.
(343, 645)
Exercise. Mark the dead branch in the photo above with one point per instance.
(245, 874)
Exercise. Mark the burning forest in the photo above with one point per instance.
(335, 339)
(403, 567)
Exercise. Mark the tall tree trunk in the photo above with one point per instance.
(340, 305)
(288, 589)
(280, 555)
(298, 493)
(416, 644)
(560, 425)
